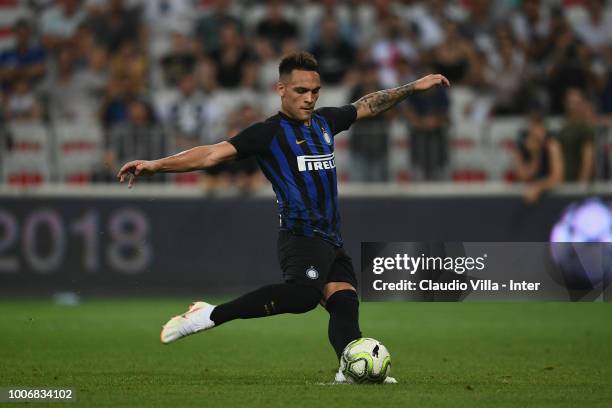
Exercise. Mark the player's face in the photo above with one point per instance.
(299, 93)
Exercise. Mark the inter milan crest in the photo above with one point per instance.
(312, 273)
(326, 136)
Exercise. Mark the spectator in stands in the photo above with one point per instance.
(369, 138)
(131, 139)
(365, 19)
(531, 27)
(312, 13)
(577, 137)
(505, 74)
(114, 106)
(267, 71)
(180, 60)
(233, 63)
(396, 44)
(94, 75)
(191, 119)
(480, 27)
(131, 64)
(428, 117)
(603, 88)
(537, 160)
(115, 24)
(66, 91)
(59, 23)
(208, 27)
(164, 16)
(334, 53)
(456, 58)
(84, 42)
(428, 18)
(568, 64)
(596, 30)
(27, 60)
(281, 33)
(21, 103)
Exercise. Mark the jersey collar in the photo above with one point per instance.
(297, 122)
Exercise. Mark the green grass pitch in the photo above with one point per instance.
(443, 354)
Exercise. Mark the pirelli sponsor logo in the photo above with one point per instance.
(316, 162)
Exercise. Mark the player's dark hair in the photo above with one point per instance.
(301, 60)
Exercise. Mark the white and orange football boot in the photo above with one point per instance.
(195, 320)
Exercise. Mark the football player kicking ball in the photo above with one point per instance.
(295, 151)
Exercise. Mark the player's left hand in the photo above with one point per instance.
(430, 81)
(136, 168)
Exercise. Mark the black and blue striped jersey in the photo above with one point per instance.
(298, 160)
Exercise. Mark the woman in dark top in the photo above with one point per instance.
(538, 161)
(455, 58)
(234, 63)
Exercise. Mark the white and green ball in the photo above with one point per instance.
(365, 361)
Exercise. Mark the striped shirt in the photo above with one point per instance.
(299, 162)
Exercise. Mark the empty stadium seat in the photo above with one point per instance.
(461, 98)
(27, 163)
(25, 169)
(399, 152)
(467, 152)
(78, 149)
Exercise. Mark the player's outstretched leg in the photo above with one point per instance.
(266, 301)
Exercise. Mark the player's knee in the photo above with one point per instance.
(343, 302)
(334, 287)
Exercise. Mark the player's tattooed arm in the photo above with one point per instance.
(378, 102)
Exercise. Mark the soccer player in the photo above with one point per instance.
(295, 151)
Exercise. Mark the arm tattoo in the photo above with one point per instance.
(378, 102)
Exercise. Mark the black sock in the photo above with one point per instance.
(343, 308)
(267, 301)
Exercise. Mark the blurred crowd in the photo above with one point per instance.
(150, 72)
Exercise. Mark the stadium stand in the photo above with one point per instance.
(155, 42)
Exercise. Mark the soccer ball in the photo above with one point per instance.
(577, 243)
(588, 221)
(365, 361)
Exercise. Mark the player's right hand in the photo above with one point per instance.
(135, 169)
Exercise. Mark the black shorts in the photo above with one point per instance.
(313, 261)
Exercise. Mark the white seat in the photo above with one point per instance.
(24, 169)
(399, 155)
(30, 136)
(461, 98)
(504, 130)
(28, 162)
(78, 149)
(467, 131)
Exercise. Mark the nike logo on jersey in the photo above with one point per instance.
(300, 141)
(316, 162)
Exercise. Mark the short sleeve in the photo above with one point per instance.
(253, 140)
(339, 119)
